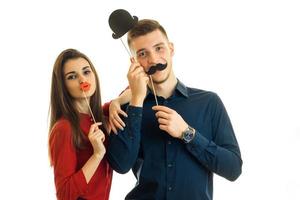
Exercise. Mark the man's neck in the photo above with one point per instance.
(166, 88)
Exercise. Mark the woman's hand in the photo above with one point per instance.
(114, 119)
(97, 137)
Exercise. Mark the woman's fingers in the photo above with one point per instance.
(97, 136)
(94, 127)
(118, 122)
(120, 111)
(113, 128)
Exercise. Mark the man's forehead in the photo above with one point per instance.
(149, 38)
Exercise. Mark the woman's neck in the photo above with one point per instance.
(81, 106)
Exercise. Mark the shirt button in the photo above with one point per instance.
(170, 165)
(169, 142)
(169, 188)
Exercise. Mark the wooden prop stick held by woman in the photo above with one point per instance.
(85, 86)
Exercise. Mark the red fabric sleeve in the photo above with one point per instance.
(105, 109)
(70, 183)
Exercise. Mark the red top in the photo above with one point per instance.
(67, 163)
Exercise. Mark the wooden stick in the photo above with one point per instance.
(89, 106)
(153, 90)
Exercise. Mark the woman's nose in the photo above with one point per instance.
(82, 79)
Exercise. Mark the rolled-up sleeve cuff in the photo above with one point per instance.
(134, 120)
(198, 144)
(134, 111)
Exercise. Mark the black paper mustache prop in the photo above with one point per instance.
(157, 67)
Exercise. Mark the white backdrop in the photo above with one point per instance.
(246, 51)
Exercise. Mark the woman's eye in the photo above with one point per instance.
(87, 72)
(71, 77)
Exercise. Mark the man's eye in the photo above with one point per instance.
(142, 54)
(71, 77)
(158, 48)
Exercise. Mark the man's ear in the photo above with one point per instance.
(171, 46)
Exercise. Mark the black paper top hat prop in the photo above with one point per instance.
(120, 22)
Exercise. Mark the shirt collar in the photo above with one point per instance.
(180, 88)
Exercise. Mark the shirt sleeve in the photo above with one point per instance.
(221, 154)
(70, 183)
(123, 148)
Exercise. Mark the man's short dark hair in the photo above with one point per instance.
(144, 27)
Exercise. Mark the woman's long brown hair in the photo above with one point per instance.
(62, 103)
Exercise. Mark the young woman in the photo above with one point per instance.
(77, 144)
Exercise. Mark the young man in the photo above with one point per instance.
(184, 140)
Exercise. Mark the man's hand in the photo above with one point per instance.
(170, 121)
(138, 80)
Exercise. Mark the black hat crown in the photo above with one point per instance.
(120, 22)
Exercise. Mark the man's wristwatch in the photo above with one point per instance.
(188, 134)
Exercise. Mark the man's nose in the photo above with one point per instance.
(152, 58)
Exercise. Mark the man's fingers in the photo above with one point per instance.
(137, 71)
(146, 79)
(161, 114)
(162, 121)
(133, 66)
(163, 127)
(132, 60)
(162, 108)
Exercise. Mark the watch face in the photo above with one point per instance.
(188, 135)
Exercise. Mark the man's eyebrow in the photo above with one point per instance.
(143, 49)
(158, 44)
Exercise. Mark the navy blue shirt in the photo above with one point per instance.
(166, 167)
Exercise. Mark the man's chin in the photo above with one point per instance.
(160, 80)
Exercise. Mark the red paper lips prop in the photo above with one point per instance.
(85, 86)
